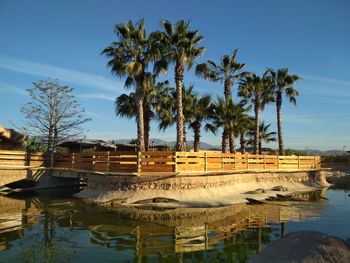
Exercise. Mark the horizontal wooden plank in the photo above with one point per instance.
(11, 152)
(157, 169)
(157, 159)
(158, 153)
(186, 160)
(188, 154)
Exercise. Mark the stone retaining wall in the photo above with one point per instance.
(193, 188)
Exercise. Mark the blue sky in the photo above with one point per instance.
(63, 40)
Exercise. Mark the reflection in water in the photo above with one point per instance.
(51, 229)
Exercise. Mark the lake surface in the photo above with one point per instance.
(49, 227)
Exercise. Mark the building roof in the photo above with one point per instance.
(88, 144)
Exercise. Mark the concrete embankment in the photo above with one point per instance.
(32, 178)
(339, 176)
(199, 190)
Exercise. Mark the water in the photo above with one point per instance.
(49, 227)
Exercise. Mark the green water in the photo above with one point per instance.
(49, 227)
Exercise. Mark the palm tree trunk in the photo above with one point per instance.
(185, 138)
(242, 142)
(260, 146)
(256, 133)
(180, 146)
(228, 97)
(140, 122)
(197, 136)
(146, 123)
(227, 90)
(224, 142)
(232, 142)
(279, 123)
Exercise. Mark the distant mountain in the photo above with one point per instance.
(322, 153)
(206, 146)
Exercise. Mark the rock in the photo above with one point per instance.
(252, 201)
(156, 200)
(256, 191)
(279, 188)
(305, 247)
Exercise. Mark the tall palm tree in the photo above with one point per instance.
(264, 135)
(179, 45)
(258, 91)
(130, 57)
(283, 83)
(200, 112)
(227, 73)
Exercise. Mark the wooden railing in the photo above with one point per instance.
(182, 162)
(9, 158)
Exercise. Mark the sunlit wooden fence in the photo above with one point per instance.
(182, 162)
(9, 158)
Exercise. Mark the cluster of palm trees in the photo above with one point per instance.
(140, 58)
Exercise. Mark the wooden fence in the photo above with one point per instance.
(9, 158)
(182, 162)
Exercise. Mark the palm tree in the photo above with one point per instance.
(243, 126)
(179, 45)
(228, 116)
(283, 83)
(227, 72)
(167, 108)
(200, 112)
(125, 106)
(258, 91)
(264, 135)
(130, 57)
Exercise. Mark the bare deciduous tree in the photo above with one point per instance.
(53, 114)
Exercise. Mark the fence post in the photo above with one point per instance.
(175, 161)
(139, 163)
(264, 162)
(73, 157)
(205, 162)
(234, 161)
(93, 161)
(278, 162)
(247, 161)
(222, 161)
(108, 164)
(315, 166)
(26, 158)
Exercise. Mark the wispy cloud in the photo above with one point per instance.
(303, 118)
(5, 87)
(326, 87)
(94, 115)
(100, 96)
(64, 74)
(338, 82)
